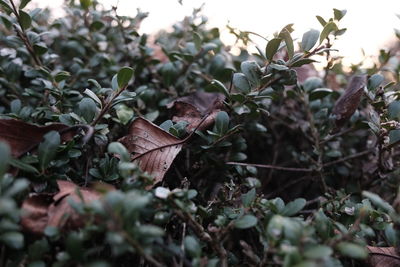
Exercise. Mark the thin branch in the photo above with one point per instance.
(357, 155)
(291, 169)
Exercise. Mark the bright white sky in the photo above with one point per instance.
(370, 23)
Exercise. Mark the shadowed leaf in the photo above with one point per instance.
(40, 211)
(194, 107)
(383, 257)
(348, 102)
(154, 148)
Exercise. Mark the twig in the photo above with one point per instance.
(140, 250)
(331, 137)
(270, 167)
(357, 155)
(107, 106)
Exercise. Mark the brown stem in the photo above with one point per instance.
(107, 106)
(357, 155)
(273, 167)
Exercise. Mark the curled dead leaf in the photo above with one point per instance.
(194, 107)
(42, 210)
(22, 137)
(154, 148)
(348, 102)
(383, 257)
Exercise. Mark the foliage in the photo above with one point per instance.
(288, 169)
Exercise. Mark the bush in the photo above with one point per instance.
(253, 159)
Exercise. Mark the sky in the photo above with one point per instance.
(370, 24)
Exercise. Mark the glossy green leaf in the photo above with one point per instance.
(339, 14)
(374, 81)
(272, 47)
(309, 39)
(321, 20)
(48, 148)
(23, 166)
(119, 149)
(285, 35)
(124, 75)
(252, 71)
(220, 87)
(378, 201)
(87, 109)
(394, 110)
(328, 28)
(23, 3)
(247, 221)
(352, 250)
(248, 198)
(240, 82)
(61, 76)
(25, 20)
(5, 156)
(294, 207)
(13, 240)
(221, 122)
(320, 93)
(192, 246)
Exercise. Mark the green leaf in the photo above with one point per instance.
(302, 62)
(120, 149)
(5, 156)
(394, 136)
(7, 8)
(124, 75)
(378, 201)
(23, 3)
(240, 82)
(252, 71)
(352, 250)
(248, 198)
(374, 81)
(220, 87)
(339, 14)
(93, 96)
(221, 122)
(320, 93)
(85, 4)
(309, 39)
(318, 252)
(124, 113)
(13, 240)
(321, 20)
(247, 221)
(328, 28)
(272, 47)
(394, 110)
(25, 20)
(61, 76)
(294, 207)
(48, 148)
(40, 48)
(23, 166)
(285, 35)
(192, 246)
(87, 109)
(197, 40)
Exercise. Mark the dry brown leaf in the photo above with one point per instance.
(194, 107)
(23, 137)
(348, 102)
(155, 148)
(42, 210)
(383, 257)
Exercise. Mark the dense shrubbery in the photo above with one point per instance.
(279, 169)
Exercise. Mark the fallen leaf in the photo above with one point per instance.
(42, 210)
(22, 137)
(155, 148)
(383, 256)
(348, 102)
(194, 107)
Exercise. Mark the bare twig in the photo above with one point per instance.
(273, 167)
